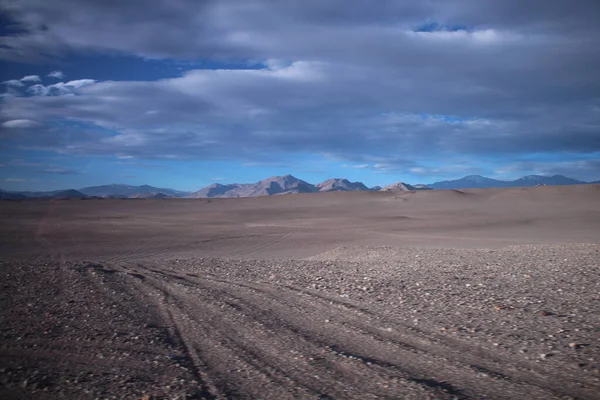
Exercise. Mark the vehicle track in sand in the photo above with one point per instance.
(246, 339)
(238, 331)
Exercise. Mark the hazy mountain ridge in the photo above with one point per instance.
(68, 194)
(287, 184)
(11, 195)
(481, 182)
(158, 195)
(54, 194)
(120, 190)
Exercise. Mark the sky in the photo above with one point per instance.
(183, 94)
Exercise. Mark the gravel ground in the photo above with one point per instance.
(519, 322)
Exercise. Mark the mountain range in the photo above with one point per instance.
(287, 184)
(274, 185)
(129, 191)
(477, 181)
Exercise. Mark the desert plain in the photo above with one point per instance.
(471, 294)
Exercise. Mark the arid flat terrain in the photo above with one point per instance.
(469, 294)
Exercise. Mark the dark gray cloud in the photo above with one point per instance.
(358, 81)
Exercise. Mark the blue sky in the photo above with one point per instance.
(228, 91)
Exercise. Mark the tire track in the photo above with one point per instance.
(283, 317)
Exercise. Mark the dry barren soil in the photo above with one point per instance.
(424, 295)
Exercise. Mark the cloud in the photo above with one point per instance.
(450, 170)
(20, 124)
(56, 75)
(280, 31)
(59, 89)
(247, 114)
(357, 166)
(38, 90)
(385, 167)
(76, 83)
(265, 164)
(358, 81)
(20, 180)
(31, 78)
(60, 171)
(22, 163)
(13, 83)
(141, 165)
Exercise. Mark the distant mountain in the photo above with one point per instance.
(121, 191)
(337, 184)
(11, 196)
(471, 181)
(477, 181)
(151, 196)
(38, 195)
(53, 194)
(398, 187)
(214, 190)
(422, 187)
(555, 180)
(286, 184)
(268, 187)
(67, 194)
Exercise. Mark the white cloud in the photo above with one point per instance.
(385, 167)
(358, 166)
(60, 88)
(21, 124)
(20, 180)
(60, 171)
(13, 83)
(79, 83)
(69, 87)
(31, 78)
(486, 36)
(56, 74)
(38, 90)
(449, 169)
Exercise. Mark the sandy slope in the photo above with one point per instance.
(297, 226)
(194, 299)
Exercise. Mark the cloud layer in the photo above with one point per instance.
(391, 86)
